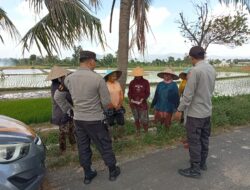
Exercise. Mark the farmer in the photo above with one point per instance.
(60, 117)
(138, 94)
(183, 76)
(115, 114)
(166, 98)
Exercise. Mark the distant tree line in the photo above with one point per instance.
(109, 61)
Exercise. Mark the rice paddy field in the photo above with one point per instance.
(233, 83)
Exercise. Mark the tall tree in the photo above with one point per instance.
(137, 9)
(76, 54)
(32, 59)
(227, 30)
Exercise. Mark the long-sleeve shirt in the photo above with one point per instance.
(139, 89)
(166, 98)
(56, 111)
(199, 90)
(63, 100)
(89, 93)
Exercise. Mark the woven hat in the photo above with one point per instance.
(138, 72)
(57, 72)
(110, 72)
(185, 72)
(168, 71)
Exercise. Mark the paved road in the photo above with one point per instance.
(228, 169)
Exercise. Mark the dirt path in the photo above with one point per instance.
(228, 168)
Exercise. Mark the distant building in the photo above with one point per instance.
(224, 63)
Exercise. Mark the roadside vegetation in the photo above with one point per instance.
(228, 112)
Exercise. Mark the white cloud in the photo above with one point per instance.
(27, 17)
(157, 16)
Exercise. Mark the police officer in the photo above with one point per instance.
(90, 96)
(197, 103)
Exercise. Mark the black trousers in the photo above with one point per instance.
(96, 131)
(198, 132)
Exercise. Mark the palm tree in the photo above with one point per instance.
(66, 22)
(138, 10)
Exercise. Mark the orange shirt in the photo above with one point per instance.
(116, 93)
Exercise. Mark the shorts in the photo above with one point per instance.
(114, 116)
(140, 115)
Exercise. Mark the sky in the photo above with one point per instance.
(164, 40)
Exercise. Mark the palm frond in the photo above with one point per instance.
(38, 5)
(7, 26)
(111, 16)
(95, 3)
(139, 14)
(237, 2)
(66, 22)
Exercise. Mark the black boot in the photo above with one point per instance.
(89, 175)
(203, 166)
(114, 172)
(193, 171)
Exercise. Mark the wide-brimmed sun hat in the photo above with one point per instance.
(138, 72)
(168, 71)
(57, 72)
(185, 72)
(110, 72)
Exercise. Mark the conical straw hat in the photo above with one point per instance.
(168, 71)
(138, 72)
(110, 72)
(57, 72)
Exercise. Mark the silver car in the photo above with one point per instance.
(22, 156)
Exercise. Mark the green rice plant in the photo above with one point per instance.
(27, 110)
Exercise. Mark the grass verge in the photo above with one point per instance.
(228, 112)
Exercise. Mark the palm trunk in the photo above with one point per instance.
(123, 44)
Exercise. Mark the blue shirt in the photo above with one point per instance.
(166, 98)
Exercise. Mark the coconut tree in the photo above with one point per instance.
(65, 22)
(137, 10)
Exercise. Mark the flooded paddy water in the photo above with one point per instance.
(34, 79)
